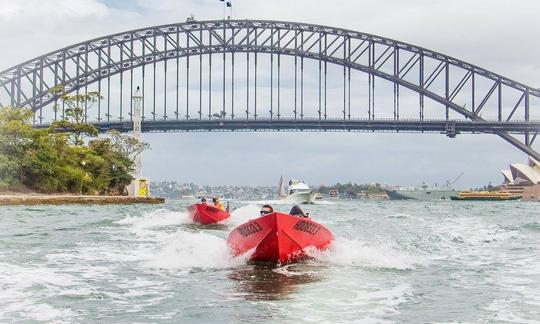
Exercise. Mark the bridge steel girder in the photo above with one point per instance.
(29, 84)
(450, 128)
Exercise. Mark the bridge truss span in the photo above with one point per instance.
(251, 70)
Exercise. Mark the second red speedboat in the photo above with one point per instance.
(279, 238)
(206, 214)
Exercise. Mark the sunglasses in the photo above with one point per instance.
(264, 212)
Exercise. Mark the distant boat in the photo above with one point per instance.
(333, 194)
(421, 193)
(485, 195)
(297, 192)
(207, 214)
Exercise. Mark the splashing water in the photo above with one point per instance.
(390, 262)
(355, 252)
(243, 214)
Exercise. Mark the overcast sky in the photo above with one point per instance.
(498, 35)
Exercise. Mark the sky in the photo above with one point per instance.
(496, 35)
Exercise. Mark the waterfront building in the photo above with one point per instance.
(523, 179)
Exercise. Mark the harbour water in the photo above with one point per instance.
(392, 261)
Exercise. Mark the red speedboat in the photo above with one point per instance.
(206, 214)
(278, 238)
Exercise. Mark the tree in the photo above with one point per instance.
(117, 167)
(127, 145)
(46, 163)
(74, 118)
(57, 160)
(15, 140)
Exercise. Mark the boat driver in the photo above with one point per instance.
(297, 211)
(217, 203)
(266, 209)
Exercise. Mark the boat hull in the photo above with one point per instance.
(420, 194)
(206, 214)
(301, 197)
(485, 198)
(278, 238)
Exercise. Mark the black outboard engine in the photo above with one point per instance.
(297, 211)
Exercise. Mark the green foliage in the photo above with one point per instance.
(127, 145)
(57, 159)
(74, 118)
(352, 190)
(15, 140)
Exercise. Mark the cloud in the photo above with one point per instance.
(16, 10)
(496, 35)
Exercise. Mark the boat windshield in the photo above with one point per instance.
(298, 191)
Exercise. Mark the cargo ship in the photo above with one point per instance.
(485, 195)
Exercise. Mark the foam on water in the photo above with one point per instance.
(243, 214)
(18, 287)
(356, 252)
(393, 262)
(156, 218)
(182, 248)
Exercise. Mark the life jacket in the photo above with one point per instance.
(220, 206)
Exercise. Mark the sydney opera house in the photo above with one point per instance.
(523, 179)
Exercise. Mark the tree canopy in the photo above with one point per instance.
(66, 157)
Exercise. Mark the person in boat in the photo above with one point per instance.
(203, 201)
(266, 209)
(217, 203)
(297, 211)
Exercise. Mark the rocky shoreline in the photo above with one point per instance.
(36, 199)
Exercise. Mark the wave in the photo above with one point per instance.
(243, 214)
(170, 244)
(155, 219)
(185, 248)
(356, 252)
(185, 251)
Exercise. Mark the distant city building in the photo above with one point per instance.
(174, 190)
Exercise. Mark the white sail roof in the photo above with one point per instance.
(525, 172)
(508, 177)
(533, 163)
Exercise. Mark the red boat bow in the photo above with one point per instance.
(206, 214)
(278, 238)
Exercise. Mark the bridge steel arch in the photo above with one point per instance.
(76, 67)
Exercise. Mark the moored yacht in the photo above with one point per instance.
(297, 192)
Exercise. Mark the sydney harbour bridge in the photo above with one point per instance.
(254, 75)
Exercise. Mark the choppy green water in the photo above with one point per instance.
(391, 262)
